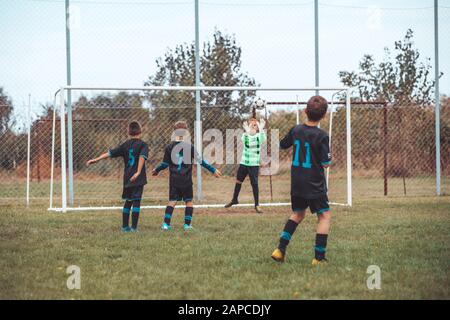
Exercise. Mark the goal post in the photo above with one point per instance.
(222, 109)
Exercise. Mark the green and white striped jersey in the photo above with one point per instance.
(251, 155)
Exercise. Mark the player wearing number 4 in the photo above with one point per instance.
(311, 156)
(252, 139)
(178, 157)
(134, 152)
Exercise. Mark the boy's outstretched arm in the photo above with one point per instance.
(164, 164)
(216, 172)
(95, 160)
(112, 153)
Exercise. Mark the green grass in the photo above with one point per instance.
(98, 191)
(228, 255)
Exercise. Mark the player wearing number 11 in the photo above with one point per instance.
(311, 155)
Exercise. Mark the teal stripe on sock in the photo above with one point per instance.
(168, 216)
(286, 236)
(189, 218)
(320, 249)
(126, 210)
(136, 210)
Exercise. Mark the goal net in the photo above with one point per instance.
(96, 120)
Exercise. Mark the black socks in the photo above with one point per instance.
(188, 211)
(320, 247)
(286, 235)
(168, 215)
(135, 213)
(126, 213)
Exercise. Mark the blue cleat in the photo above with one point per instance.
(126, 229)
(187, 227)
(166, 227)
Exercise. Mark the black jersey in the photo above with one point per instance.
(311, 151)
(130, 151)
(179, 157)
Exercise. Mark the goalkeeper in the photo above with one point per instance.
(252, 138)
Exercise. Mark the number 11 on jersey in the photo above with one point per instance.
(296, 161)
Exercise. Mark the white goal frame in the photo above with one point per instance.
(62, 108)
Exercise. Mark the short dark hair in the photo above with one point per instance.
(316, 108)
(134, 128)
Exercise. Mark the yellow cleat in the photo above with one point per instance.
(278, 256)
(316, 262)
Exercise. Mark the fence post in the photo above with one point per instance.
(63, 152)
(198, 119)
(349, 148)
(437, 98)
(28, 150)
(385, 142)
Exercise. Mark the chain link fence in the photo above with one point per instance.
(392, 149)
(117, 42)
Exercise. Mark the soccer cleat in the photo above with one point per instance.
(258, 209)
(126, 229)
(316, 262)
(231, 203)
(187, 227)
(278, 255)
(133, 230)
(166, 227)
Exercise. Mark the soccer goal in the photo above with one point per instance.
(96, 120)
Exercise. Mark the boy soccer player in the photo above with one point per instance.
(134, 153)
(311, 155)
(178, 157)
(252, 138)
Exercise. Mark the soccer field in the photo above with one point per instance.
(227, 256)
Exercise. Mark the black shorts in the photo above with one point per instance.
(132, 193)
(184, 193)
(251, 171)
(318, 205)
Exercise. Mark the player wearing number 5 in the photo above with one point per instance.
(311, 155)
(134, 152)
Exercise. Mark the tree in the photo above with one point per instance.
(403, 79)
(6, 108)
(220, 66)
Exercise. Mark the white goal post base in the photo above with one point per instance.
(67, 172)
(204, 206)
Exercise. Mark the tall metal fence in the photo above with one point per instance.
(118, 43)
(392, 148)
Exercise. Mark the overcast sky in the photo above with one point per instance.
(115, 43)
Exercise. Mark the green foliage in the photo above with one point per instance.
(220, 66)
(6, 108)
(12, 145)
(399, 79)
